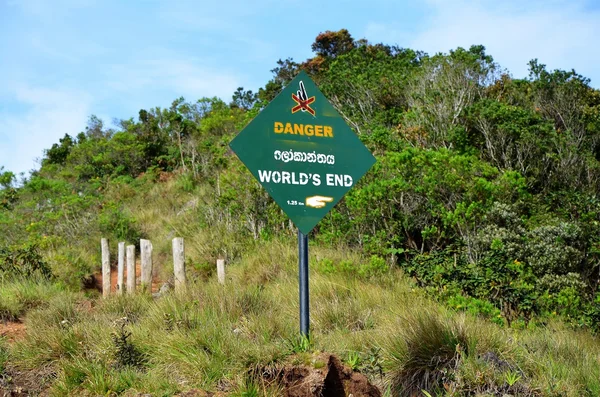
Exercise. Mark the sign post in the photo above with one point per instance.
(303, 283)
(304, 154)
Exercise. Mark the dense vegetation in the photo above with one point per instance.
(485, 192)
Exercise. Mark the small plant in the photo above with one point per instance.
(511, 377)
(126, 354)
(376, 267)
(353, 360)
(248, 389)
(372, 362)
(300, 344)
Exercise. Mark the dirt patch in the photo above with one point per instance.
(12, 331)
(332, 380)
(25, 383)
(97, 279)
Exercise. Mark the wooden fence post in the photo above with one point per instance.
(179, 263)
(146, 248)
(121, 269)
(131, 269)
(221, 271)
(105, 268)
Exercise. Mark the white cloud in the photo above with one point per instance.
(182, 77)
(561, 34)
(48, 114)
(39, 116)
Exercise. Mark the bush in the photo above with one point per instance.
(553, 249)
(126, 353)
(115, 222)
(375, 267)
(23, 262)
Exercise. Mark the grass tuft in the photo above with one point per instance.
(426, 354)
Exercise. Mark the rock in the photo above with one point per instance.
(192, 204)
(163, 290)
(492, 358)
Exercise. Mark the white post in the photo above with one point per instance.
(146, 248)
(121, 269)
(105, 268)
(131, 269)
(179, 263)
(221, 271)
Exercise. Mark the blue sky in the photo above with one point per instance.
(63, 60)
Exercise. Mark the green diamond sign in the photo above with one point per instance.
(303, 153)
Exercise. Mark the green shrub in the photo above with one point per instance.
(375, 267)
(554, 249)
(126, 352)
(114, 221)
(474, 306)
(23, 262)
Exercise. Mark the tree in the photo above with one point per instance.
(443, 88)
(59, 152)
(333, 44)
(244, 99)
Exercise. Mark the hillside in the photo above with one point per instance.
(466, 262)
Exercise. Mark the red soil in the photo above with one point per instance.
(156, 283)
(12, 331)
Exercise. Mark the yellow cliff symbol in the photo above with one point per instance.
(318, 201)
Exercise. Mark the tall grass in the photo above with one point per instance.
(18, 295)
(212, 336)
(3, 355)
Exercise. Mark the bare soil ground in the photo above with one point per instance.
(14, 382)
(333, 379)
(12, 331)
(156, 282)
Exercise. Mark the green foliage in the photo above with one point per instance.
(375, 267)
(126, 353)
(8, 194)
(485, 190)
(17, 296)
(23, 262)
(114, 221)
(512, 377)
(3, 356)
(300, 344)
(58, 153)
(353, 360)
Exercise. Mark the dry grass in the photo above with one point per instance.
(210, 337)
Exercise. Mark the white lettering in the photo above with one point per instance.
(330, 180)
(303, 178)
(339, 180)
(290, 178)
(316, 179)
(264, 176)
(348, 180)
(276, 174)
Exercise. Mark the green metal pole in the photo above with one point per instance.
(303, 283)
